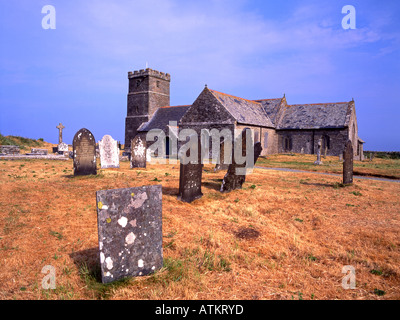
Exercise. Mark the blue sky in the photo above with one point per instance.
(77, 73)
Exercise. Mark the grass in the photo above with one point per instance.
(281, 238)
(385, 167)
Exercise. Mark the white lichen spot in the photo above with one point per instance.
(140, 263)
(109, 263)
(101, 245)
(123, 222)
(104, 207)
(102, 257)
(140, 273)
(145, 234)
(130, 238)
(153, 267)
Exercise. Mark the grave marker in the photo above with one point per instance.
(232, 180)
(348, 163)
(129, 231)
(60, 128)
(138, 152)
(318, 161)
(84, 149)
(222, 165)
(109, 153)
(190, 174)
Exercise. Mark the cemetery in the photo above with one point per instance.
(118, 228)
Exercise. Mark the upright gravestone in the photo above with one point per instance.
(84, 149)
(190, 172)
(129, 231)
(232, 179)
(348, 163)
(318, 161)
(257, 151)
(138, 152)
(224, 159)
(109, 153)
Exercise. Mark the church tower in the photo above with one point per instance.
(148, 90)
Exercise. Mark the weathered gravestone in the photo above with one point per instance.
(225, 156)
(257, 151)
(190, 172)
(109, 153)
(130, 231)
(236, 175)
(348, 163)
(318, 161)
(138, 152)
(84, 149)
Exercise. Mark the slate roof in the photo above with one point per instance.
(244, 111)
(162, 117)
(315, 116)
(271, 107)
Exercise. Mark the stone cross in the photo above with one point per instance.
(221, 165)
(129, 231)
(60, 128)
(348, 163)
(318, 161)
(232, 180)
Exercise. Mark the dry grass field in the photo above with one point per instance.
(284, 235)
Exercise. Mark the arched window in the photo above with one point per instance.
(288, 144)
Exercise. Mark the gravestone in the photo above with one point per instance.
(60, 128)
(129, 231)
(302, 150)
(138, 152)
(84, 149)
(190, 174)
(371, 156)
(223, 165)
(348, 163)
(232, 180)
(318, 161)
(109, 153)
(257, 151)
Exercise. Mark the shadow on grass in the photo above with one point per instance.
(170, 191)
(335, 185)
(212, 185)
(88, 263)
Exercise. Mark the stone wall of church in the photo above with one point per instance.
(306, 141)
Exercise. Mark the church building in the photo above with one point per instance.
(280, 127)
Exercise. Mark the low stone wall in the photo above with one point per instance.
(6, 149)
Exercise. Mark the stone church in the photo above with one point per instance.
(280, 127)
